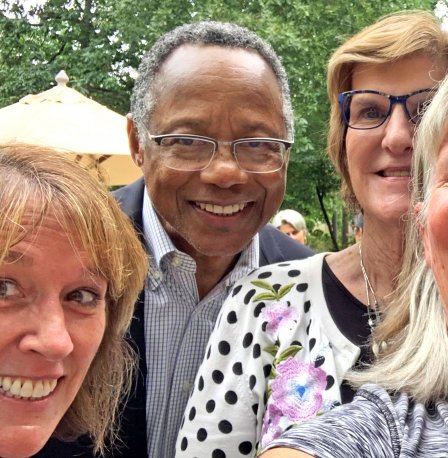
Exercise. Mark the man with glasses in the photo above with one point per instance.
(211, 128)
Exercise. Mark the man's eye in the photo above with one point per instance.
(83, 296)
(7, 289)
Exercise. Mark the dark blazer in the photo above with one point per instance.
(274, 247)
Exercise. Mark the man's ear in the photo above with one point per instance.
(137, 155)
(423, 234)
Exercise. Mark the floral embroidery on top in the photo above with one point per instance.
(277, 316)
(294, 387)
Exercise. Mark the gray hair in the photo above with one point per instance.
(209, 33)
(415, 322)
(291, 217)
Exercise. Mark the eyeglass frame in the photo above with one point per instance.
(393, 100)
(287, 144)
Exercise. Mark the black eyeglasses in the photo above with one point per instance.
(369, 109)
(192, 153)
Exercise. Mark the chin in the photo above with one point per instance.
(22, 442)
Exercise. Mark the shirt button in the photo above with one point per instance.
(186, 387)
(155, 274)
(176, 262)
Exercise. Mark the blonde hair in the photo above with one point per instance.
(391, 38)
(38, 177)
(415, 323)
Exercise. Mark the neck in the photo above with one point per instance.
(382, 248)
(210, 270)
(382, 251)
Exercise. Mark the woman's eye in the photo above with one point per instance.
(372, 113)
(7, 289)
(83, 296)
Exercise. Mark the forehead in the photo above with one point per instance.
(217, 81)
(41, 230)
(417, 71)
(191, 59)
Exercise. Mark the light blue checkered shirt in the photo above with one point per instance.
(177, 326)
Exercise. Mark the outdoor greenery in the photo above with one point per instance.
(99, 44)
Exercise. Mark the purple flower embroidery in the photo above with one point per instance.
(271, 425)
(277, 316)
(297, 389)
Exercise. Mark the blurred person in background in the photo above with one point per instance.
(357, 226)
(291, 223)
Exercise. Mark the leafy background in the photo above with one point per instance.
(99, 44)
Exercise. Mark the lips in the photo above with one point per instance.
(20, 388)
(221, 210)
(395, 173)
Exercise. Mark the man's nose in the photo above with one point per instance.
(224, 171)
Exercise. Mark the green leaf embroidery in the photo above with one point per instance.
(263, 284)
(272, 295)
(265, 297)
(272, 349)
(289, 352)
(285, 289)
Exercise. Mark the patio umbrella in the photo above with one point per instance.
(63, 118)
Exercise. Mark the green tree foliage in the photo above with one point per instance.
(99, 44)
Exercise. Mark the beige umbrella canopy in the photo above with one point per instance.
(63, 118)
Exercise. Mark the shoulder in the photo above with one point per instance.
(130, 198)
(288, 270)
(276, 246)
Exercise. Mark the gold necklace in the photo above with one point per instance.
(373, 312)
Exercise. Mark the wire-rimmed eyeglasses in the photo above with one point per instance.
(192, 153)
(368, 109)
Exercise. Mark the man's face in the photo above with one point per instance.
(226, 94)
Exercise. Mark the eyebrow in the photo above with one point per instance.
(14, 256)
(194, 124)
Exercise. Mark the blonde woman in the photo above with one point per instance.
(288, 333)
(403, 410)
(71, 267)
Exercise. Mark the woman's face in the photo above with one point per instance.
(435, 234)
(52, 320)
(379, 159)
(289, 229)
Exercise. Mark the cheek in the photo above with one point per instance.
(437, 221)
(88, 337)
(275, 190)
(437, 239)
(360, 147)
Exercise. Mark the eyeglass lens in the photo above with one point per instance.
(367, 110)
(192, 154)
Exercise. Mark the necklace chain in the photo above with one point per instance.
(373, 311)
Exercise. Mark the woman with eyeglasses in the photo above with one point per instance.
(402, 410)
(289, 333)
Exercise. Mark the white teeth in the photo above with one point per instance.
(221, 210)
(38, 390)
(6, 385)
(397, 173)
(26, 389)
(15, 388)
